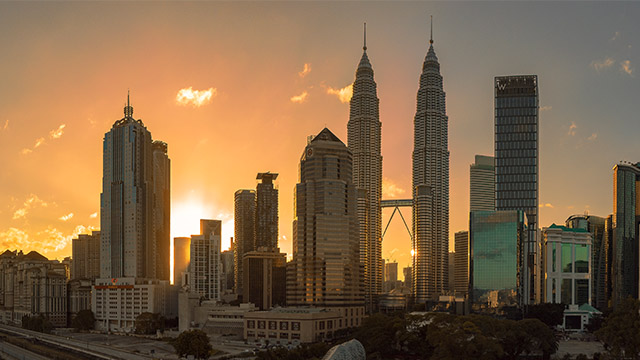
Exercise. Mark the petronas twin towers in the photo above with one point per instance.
(430, 181)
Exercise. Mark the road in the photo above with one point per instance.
(13, 352)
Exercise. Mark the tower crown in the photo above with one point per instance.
(128, 110)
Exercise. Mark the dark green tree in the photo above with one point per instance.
(37, 323)
(193, 342)
(540, 337)
(548, 313)
(379, 334)
(458, 337)
(148, 323)
(84, 320)
(620, 332)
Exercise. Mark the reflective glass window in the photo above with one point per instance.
(565, 291)
(582, 258)
(567, 265)
(582, 291)
(553, 262)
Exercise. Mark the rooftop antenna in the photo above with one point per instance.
(365, 37)
(431, 39)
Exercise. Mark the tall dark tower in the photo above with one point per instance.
(162, 208)
(517, 161)
(364, 141)
(266, 230)
(244, 227)
(430, 247)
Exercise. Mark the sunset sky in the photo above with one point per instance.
(235, 89)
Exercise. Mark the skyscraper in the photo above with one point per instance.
(517, 161)
(162, 208)
(626, 220)
(325, 270)
(86, 256)
(430, 246)
(131, 246)
(461, 263)
(205, 267)
(482, 184)
(181, 258)
(265, 278)
(364, 141)
(244, 227)
(266, 218)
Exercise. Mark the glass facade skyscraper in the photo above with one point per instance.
(482, 184)
(517, 161)
(497, 240)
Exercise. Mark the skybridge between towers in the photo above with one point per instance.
(396, 204)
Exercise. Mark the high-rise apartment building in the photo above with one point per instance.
(482, 184)
(132, 237)
(204, 265)
(497, 241)
(181, 256)
(244, 227)
(430, 185)
(162, 208)
(266, 218)
(85, 252)
(626, 219)
(461, 264)
(364, 141)
(265, 278)
(517, 162)
(600, 249)
(228, 269)
(325, 270)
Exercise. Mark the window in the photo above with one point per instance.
(565, 291)
(284, 325)
(582, 258)
(567, 265)
(295, 326)
(582, 291)
(251, 324)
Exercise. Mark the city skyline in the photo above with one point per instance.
(59, 101)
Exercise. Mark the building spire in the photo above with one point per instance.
(431, 38)
(128, 110)
(365, 37)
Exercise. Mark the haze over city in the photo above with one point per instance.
(236, 88)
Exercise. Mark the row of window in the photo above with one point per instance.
(519, 101)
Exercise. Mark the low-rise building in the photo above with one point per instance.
(292, 325)
(78, 297)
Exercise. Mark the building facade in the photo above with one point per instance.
(228, 269)
(482, 184)
(497, 241)
(567, 264)
(600, 250)
(626, 219)
(364, 141)
(461, 261)
(266, 218)
(430, 185)
(85, 252)
(162, 208)
(517, 162)
(181, 258)
(325, 270)
(130, 246)
(205, 267)
(244, 227)
(265, 278)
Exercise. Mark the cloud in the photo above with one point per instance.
(572, 129)
(343, 94)
(616, 35)
(195, 98)
(390, 189)
(626, 67)
(66, 217)
(547, 205)
(39, 142)
(545, 108)
(48, 240)
(31, 202)
(57, 133)
(93, 216)
(26, 151)
(305, 71)
(300, 98)
(599, 65)
(593, 137)
(6, 124)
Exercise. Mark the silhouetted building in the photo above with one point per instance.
(85, 252)
(325, 270)
(497, 241)
(228, 269)
(133, 212)
(600, 249)
(244, 227)
(626, 219)
(461, 263)
(430, 185)
(517, 161)
(407, 272)
(364, 141)
(482, 184)
(204, 265)
(266, 218)
(566, 257)
(265, 278)
(181, 256)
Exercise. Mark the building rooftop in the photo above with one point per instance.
(564, 228)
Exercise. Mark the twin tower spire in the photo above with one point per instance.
(365, 35)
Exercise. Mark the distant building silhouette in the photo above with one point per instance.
(244, 227)
(85, 252)
(181, 258)
(266, 228)
(162, 209)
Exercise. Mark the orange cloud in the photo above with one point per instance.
(300, 98)
(93, 216)
(305, 71)
(57, 133)
(390, 189)
(343, 94)
(53, 134)
(31, 202)
(195, 98)
(599, 65)
(625, 66)
(66, 217)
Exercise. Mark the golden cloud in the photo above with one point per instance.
(305, 71)
(31, 202)
(343, 94)
(625, 66)
(66, 217)
(57, 133)
(548, 205)
(195, 98)
(599, 65)
(572, 129)
(390, 189)
(93, 216)
(300, 98)
(53, 134)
